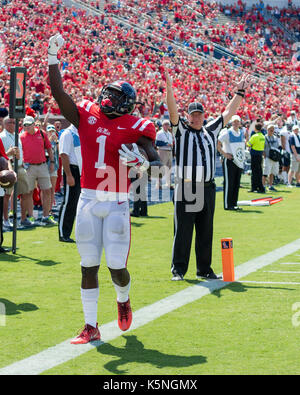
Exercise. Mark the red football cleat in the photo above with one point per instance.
(88, 334)
(124, 315)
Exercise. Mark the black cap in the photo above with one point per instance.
(195, 107)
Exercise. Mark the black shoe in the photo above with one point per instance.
(66, 240)
(235, 208)
(208, 276)
(3, 250)
(177, 277)
(132, 214)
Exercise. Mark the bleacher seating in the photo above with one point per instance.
(135, 40)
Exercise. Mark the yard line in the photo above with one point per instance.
(65, 351)
(289, 263)
(270, 282)
(280, 272)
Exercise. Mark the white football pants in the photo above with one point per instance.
(103, 225)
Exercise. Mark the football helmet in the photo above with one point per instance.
(117, 98)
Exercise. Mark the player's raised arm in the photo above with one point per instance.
(65, 102)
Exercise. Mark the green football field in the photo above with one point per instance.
(251, 326)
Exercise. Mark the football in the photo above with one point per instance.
(7, 178)
(141, 149)
(3, 163)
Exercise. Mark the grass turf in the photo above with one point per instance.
(242, 329)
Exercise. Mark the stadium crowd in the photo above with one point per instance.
(198, 28)
(179, 35)
(110, 50)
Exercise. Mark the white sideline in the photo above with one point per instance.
(65, 351)
(281, 272)
(290, 263)
(270, 282)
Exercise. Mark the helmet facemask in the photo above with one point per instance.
(117, 99)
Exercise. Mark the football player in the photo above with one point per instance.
(103, 218)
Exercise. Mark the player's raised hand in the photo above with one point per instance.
(55, 43)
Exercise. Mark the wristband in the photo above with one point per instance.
(239, 93)
(52, 59)
(52, 161)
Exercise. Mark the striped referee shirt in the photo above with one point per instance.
(195, 150)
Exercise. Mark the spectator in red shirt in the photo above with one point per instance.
(34, 143)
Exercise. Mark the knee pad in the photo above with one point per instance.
(117, 241)
(89, 254)
(116, 255)
(89, 250)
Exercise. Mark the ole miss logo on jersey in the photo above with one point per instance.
(103, 131)
(101, 139)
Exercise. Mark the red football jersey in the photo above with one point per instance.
(2, 150)
(100, 139)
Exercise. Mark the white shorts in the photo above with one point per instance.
(270, 167)
(103, 225)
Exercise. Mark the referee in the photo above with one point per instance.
(70, 154)
(195, 189)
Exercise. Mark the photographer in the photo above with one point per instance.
(37, 104)
(272, 156)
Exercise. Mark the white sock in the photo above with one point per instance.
(89, 298)
(122, 292)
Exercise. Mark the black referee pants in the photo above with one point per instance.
(184, 223)
(256, 173)
(140, 206)
(232, 180)
(67, 212)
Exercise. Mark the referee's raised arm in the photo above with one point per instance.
(171, 102)
(235, 102)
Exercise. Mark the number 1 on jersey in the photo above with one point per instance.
(101, 141)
